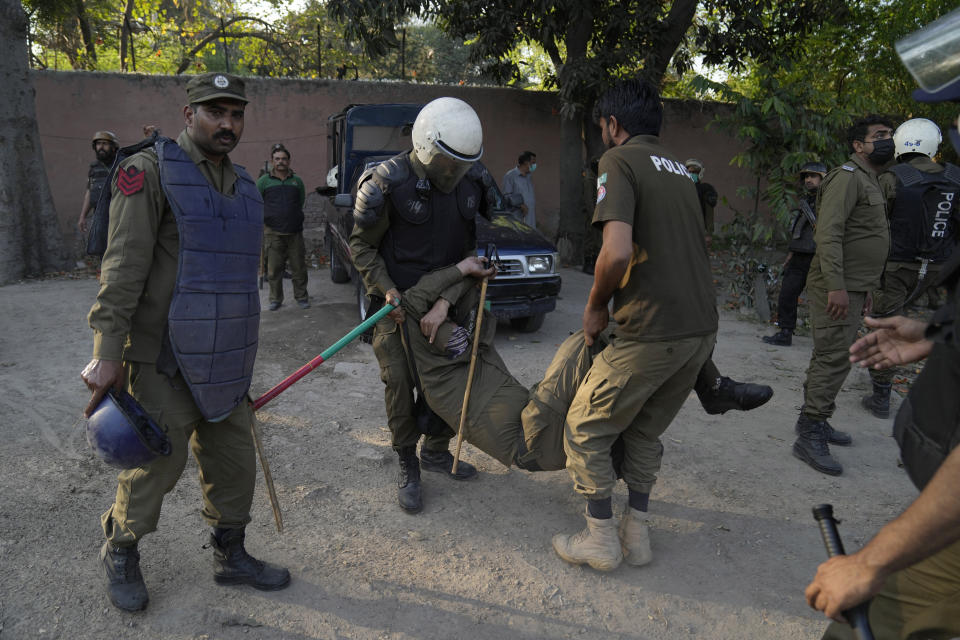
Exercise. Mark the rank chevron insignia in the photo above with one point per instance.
(129, 180)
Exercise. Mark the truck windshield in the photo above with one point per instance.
(381, 138)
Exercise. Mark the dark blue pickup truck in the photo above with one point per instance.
(360, 136)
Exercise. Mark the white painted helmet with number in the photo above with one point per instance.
(447, 139)
(918, 135)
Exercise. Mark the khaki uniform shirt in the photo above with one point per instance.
(888, 184)
(667, 292)
(139, 268)
(851, 235)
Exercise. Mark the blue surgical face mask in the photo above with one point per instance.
(533, 167)
(695, 177)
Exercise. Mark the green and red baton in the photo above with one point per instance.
(323, 357)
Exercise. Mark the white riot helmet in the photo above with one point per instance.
(918, 135)
(447, 139)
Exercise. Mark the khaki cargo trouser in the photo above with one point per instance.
(279, 248)
(921, 602)
(634, 390)
(897, 284)
(830, 359)
(398, 389)
(224, 452)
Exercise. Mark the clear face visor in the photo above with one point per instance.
(932, 54)
(445, 171)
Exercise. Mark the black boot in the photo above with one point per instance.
(878, 402)
(811, 446)
(837, 437)
(442, 461)
(731, 394)
(782, 338)
(125, 586)
(408, 481)
(233, 565)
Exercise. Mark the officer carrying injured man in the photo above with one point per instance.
(922, 206)
(400, 203)
(167, 236)
(415, 213)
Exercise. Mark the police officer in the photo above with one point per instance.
(653, 264)
(184, 203)
(283, 198)
(706, 193)
(922, 204)
(416, 213)
(852, 240)
(105, 145)
(800, 253)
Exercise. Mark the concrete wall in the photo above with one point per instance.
(71, 106)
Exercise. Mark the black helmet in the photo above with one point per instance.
(814, 167)
(122, 434)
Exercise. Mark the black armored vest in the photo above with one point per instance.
(214, 316)
(281, 208)
(923, 223)
(96, 179)
(429, 229)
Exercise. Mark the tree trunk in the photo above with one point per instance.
(87, 35)
(570, 226)
(125, 34)
(30, 241)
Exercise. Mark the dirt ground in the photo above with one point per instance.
(733, 538)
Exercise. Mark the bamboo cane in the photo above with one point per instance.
(473, 365)
(267, 476)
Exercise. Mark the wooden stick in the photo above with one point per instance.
(267, 476)
(473, 365)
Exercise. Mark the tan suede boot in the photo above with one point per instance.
(635, 538)
(597, 545)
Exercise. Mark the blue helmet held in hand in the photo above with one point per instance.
(123, 435)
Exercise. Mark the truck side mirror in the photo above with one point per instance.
(343, 200)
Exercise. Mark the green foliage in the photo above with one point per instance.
(783, 124)
(176, 36)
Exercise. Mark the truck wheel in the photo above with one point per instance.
(338, 270)
(529, 324)
(363, 306)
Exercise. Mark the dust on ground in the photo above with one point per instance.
(733, 540)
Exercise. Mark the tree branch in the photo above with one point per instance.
(218, 32)
(673, 29)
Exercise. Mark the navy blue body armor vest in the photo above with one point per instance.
(214, 316)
